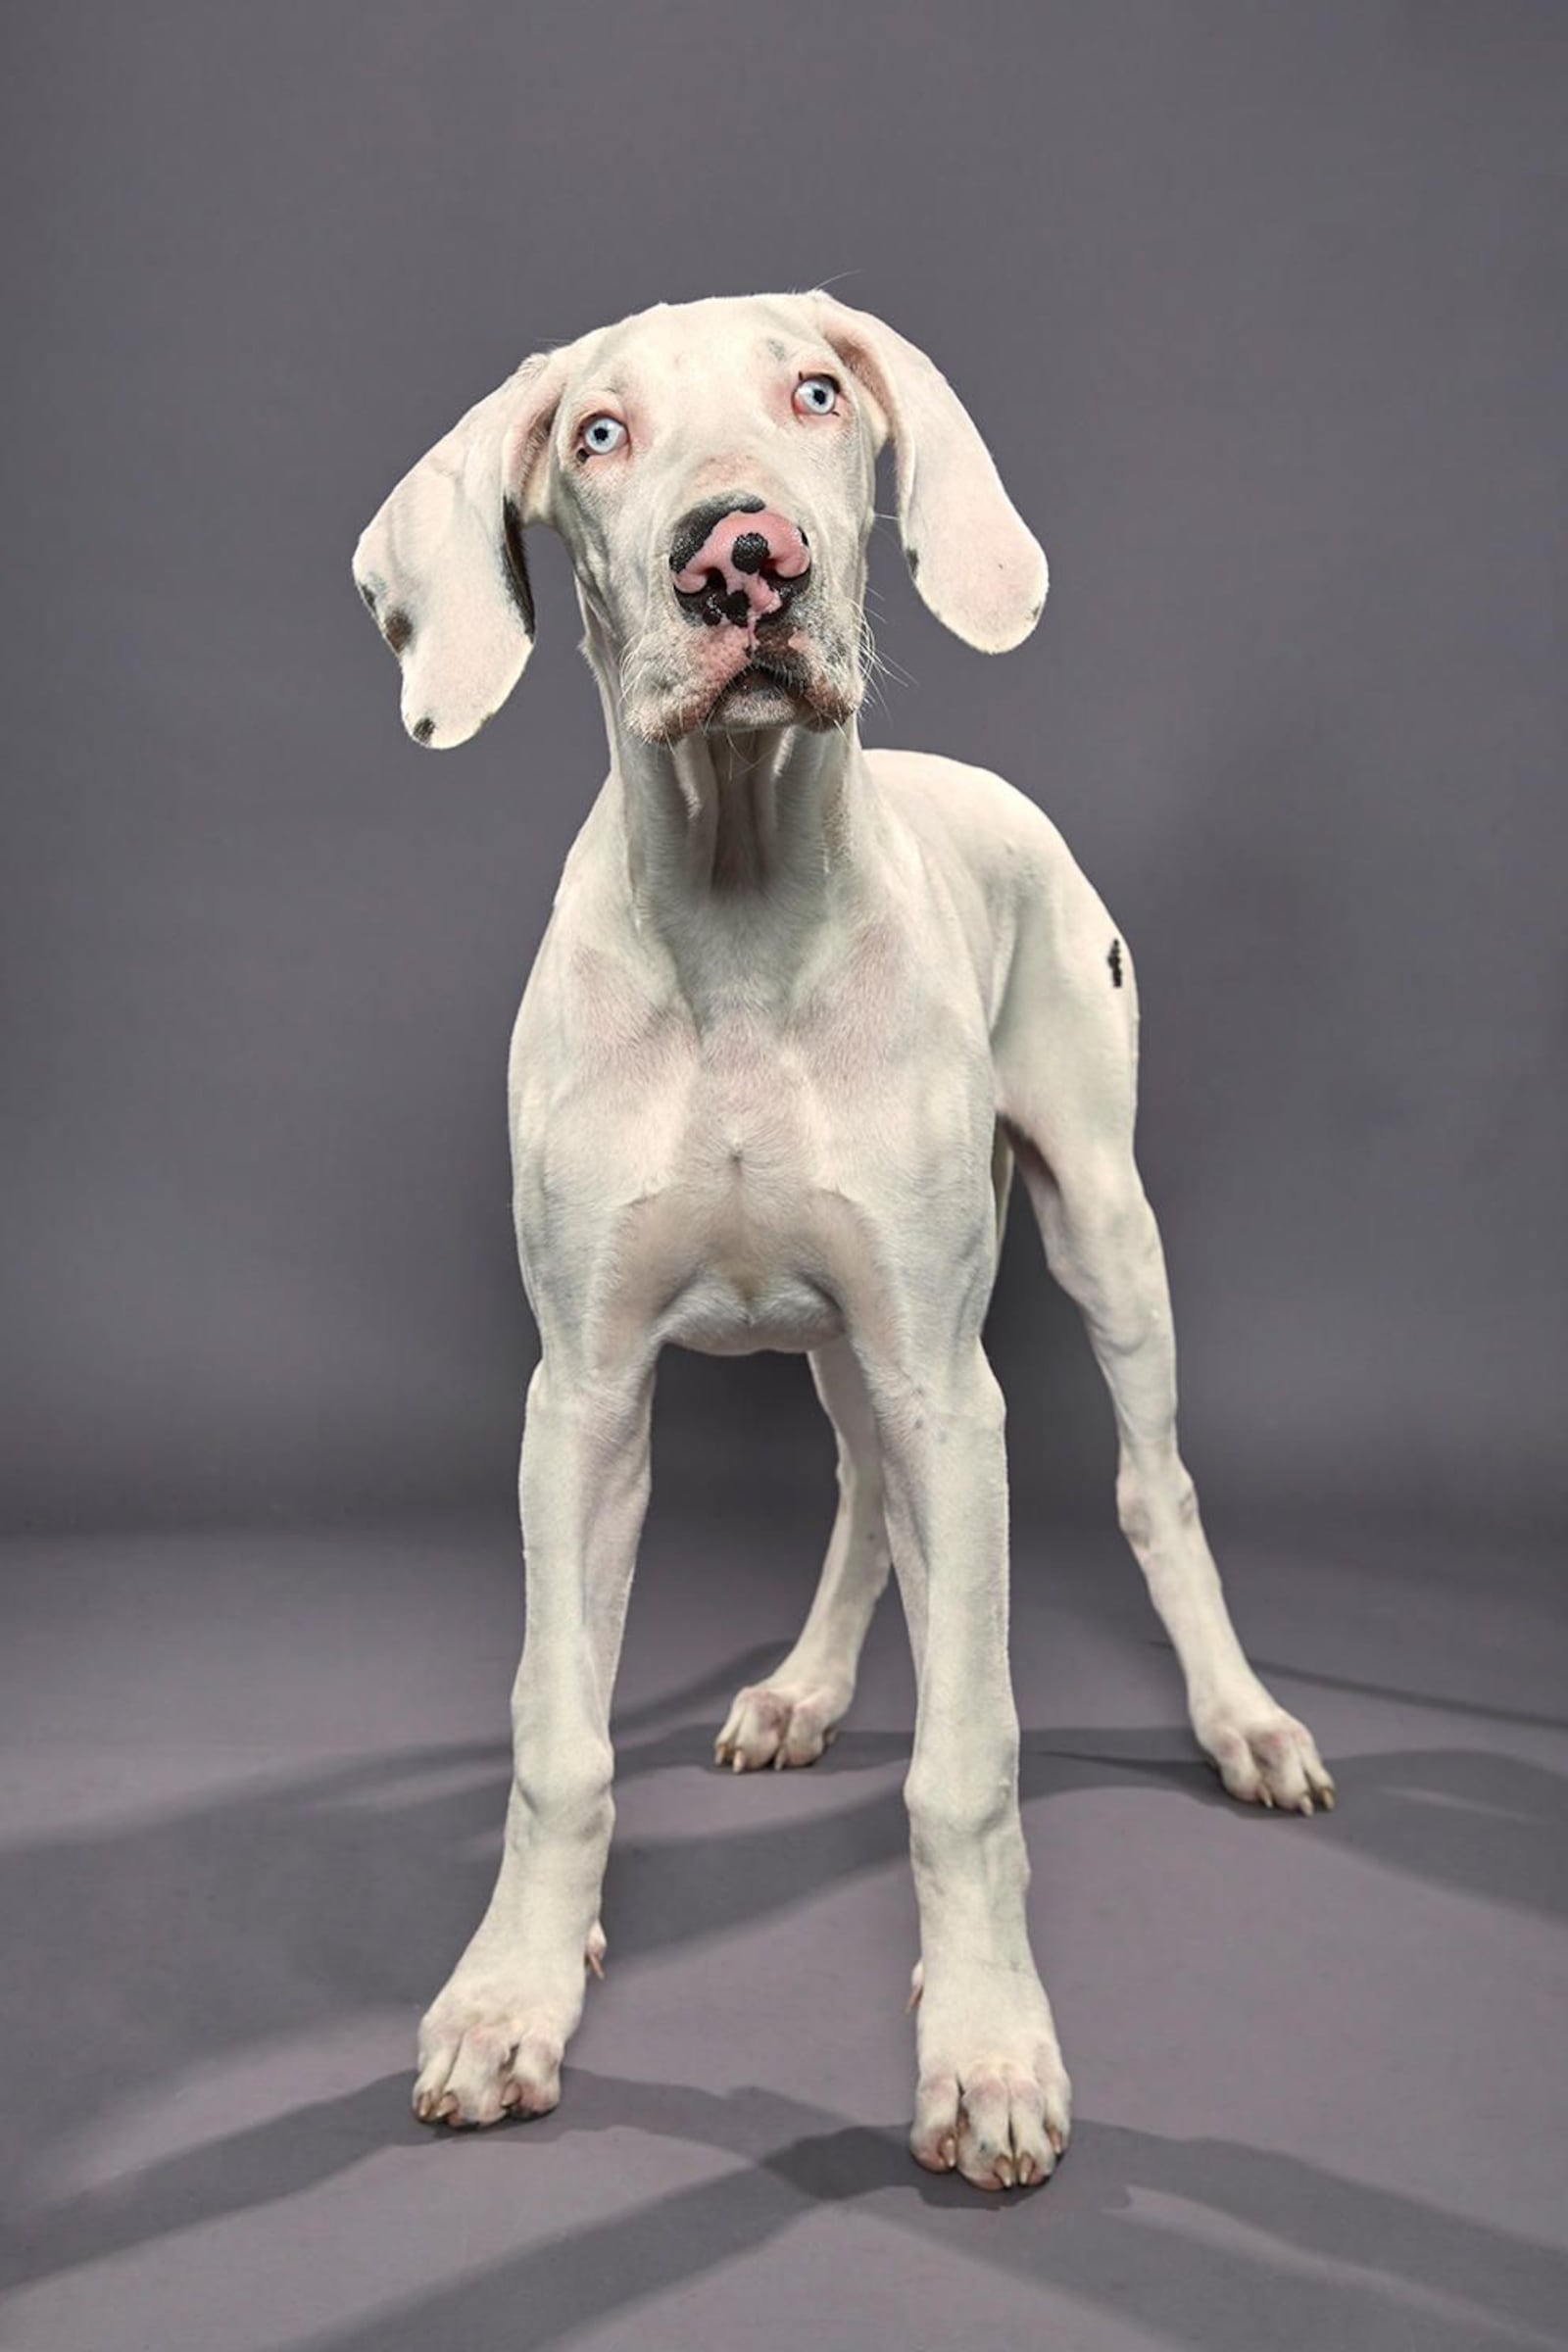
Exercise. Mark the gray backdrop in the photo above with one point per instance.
(1260, 309)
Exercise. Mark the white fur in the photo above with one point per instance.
(799, 1008)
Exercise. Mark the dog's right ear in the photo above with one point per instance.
(441, 566)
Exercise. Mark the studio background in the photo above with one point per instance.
(1259, 309)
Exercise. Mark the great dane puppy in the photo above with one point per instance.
(799, 1010)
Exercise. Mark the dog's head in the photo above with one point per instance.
(711, 466)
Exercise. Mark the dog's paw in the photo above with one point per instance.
(994, 2101)
(1263, 1755)
(782, 1724)
(490, 2046)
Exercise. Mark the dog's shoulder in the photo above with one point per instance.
(999, 830)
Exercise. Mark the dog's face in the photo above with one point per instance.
(712, 467)
(712, 471)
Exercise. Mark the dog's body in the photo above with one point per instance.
(799, 1010)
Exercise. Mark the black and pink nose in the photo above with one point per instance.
(738, 562)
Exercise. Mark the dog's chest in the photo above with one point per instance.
(742, 1222)
(723, 1184)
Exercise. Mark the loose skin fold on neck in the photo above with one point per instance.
(747, 855)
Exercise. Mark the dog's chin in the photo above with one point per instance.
(758, 698)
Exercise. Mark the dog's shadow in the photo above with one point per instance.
(271, 1912)
(1348, 2263)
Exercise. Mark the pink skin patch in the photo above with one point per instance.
(742, 550)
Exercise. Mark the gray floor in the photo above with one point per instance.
(251, 1796)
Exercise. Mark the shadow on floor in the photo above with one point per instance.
(1407, 2272)
(273, 1911)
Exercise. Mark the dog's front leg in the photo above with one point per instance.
(993, 2098)
(493, 2038)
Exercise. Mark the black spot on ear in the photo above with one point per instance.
(369, 595)
(424, 729)
(1114, 961)
(517, 562)
(397, 629)
(911, 556)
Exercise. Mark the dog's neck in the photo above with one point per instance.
(748, 856)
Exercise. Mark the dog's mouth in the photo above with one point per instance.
(771, 686)
(766, 678)
(763, 677)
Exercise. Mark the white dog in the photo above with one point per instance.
(798, 1011)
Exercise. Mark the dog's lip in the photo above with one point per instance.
(759, 677)
(761, 673)
(765, 665)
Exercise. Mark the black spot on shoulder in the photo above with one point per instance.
(517, 563)
(397, 629)
(912, 558)
(424, 729)
(1114, 961)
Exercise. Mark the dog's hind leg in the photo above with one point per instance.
(1066, 1065)
(791, 1717)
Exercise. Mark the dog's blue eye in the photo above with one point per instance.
(600, 434)
(816, 395)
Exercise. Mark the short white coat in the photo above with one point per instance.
(800, 1010)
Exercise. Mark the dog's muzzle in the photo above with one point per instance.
(736, 561)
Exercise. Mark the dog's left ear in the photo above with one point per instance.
(441, 566)
(974, 559)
